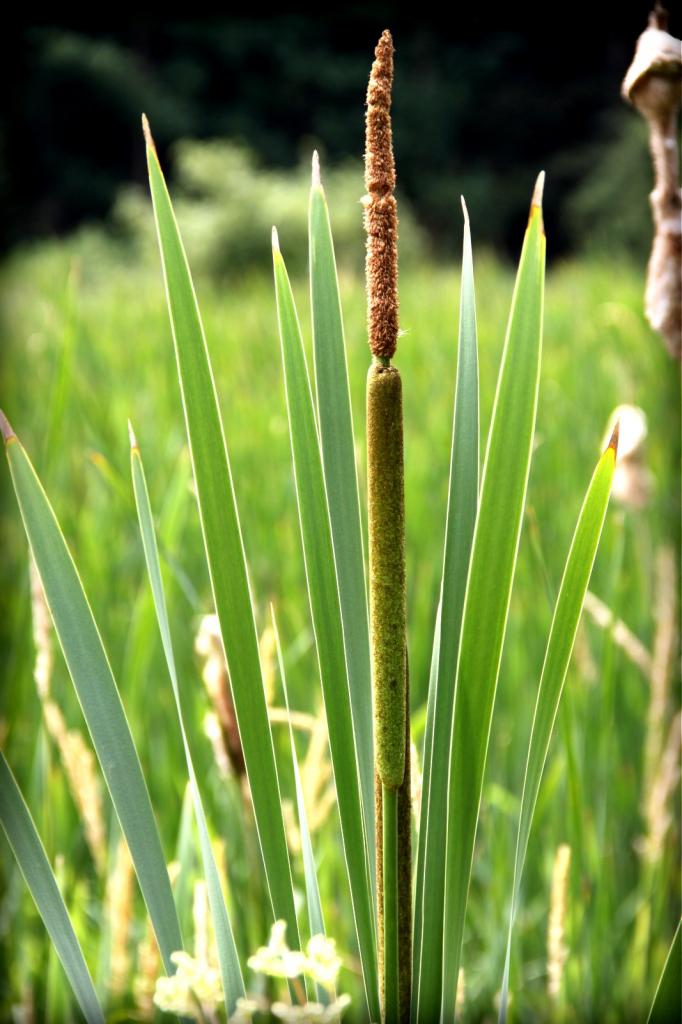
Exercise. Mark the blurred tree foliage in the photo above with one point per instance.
(226, 204)
(478, 112)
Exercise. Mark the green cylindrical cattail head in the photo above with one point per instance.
(387, 568)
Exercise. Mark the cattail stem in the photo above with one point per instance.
(389, 802)
(404, 869)
(386, 508)
(405, 872)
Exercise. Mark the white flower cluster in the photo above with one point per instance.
(195, 987)
(320, 962)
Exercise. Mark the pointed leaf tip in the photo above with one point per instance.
(133, 440)
(149, 141)
(315, 178)
(5, 428)
(538, 191)
(464, 210)
(613, 443)
(275, 239)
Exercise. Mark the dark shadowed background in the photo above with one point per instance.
(478, 110)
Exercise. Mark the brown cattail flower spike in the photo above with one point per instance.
(386, 513)
(381, 219)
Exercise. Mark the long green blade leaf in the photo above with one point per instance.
(230, 971)
(338, 460)
(94, 682)
(567, 612)
(326, 615)
(224, 548)
(17, 823)
(419, 879)
(312, 889)
(459, 530)
(491, 573)
(667, 1004)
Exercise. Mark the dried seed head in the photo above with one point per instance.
(42, 634)
(148, 965)
(208, 645)
(80, 769)
(381, 220)
(557, 951)
(120, 893)
(379, 162)
(204, 937)
(658, 813)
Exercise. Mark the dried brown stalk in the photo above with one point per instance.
(653, 85)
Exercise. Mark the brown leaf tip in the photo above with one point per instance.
(613, 443)
(6, 428)
(149, 141)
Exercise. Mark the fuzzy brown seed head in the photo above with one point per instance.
(381, 220)
(379, 162)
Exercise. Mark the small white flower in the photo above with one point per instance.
(323, 962)
(276, 959)
(246, 1009)
(194, 980)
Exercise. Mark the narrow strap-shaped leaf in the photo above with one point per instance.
(224, 548)
(228, 960)
(459, 530)
(99, 698)
(17, 823)
(567, 612)
(325, 609)
(489, 585)
(418, 900)
(667, 1004)
(338, 460)
(312, 889)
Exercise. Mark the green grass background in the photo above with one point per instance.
(86, 344)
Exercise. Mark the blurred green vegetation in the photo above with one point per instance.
(88, 346)
(226, 204)
(478, 110)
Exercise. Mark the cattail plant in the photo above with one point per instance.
(386, 515)
(408, 920)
